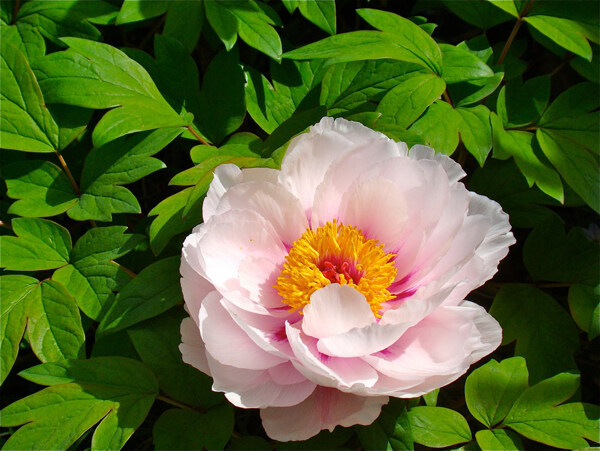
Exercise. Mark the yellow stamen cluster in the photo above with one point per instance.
(359, 263)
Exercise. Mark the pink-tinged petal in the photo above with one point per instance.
(230, 239)
(362, 341)
(190, 252)
(453, 169)
(227, 176)
(258, 276)
(227, 342)
(325, 408)
(436, 351)
(251, 389)
(194, 287)
(310, 155)
(343, 174)
(192, 347)
(286, 374)
(335, 309)
(279, 207)
(266, 331)
(350, 375)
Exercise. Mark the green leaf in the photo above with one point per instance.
(438, 427)
(41, 187)
(136, 10)
(502, 181)
(408, 35)
(507, 6)
(544, 331)
(115, 391)
(54, 326)
(122, 161)
(476, 131)
(72, 122)
(190, 430)
(222, 22)
(360, 45)
(472, 91)
(522, 147)
(153, 291)
(184, 22)
(223, 85)
(461, 65)
(347, 86)
(492, 389)
(406, 102)
(15, 292)
(479, 13)
(537, 415)
(93, 276)
(60, 18)
(551, 254)
(39, 244)
(271, 105)
(391, 430)
(439, 126)
(569, 136)
(157, 342)
(170, 220)
(584, 303)
(587, 69)
(26, 123)
(563, 32)
(320, 12)
(254, 27)
(520, 103)
(106, 78)
(498, 439)
(26, 38)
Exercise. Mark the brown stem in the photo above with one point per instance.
(514, 31)
(6, 226)
(16, 11)
(63, 163)
(128, 271)
(197, 136)
(526, 128)
(447, 98)
(559, 67)
(178, 404)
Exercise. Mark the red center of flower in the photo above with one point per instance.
(332, 271)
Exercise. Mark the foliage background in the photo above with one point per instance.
(114, 115)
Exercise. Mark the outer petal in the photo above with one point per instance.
(259, 388)
(192, 347)
(453, 169)
(310, 155)
(227, 342)
(228, 175)
(326, 408)
(436, 351)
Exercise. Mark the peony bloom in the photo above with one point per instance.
(317, 291)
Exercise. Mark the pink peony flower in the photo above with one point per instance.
(317, 291)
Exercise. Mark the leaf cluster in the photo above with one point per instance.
(114, 115)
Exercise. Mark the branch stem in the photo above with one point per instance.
(127, 270)
(63, 163)
(197, 136)
(514, 31)
(5, 225)
(177, 403)
(447, 98)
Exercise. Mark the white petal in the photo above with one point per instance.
(194, 287)
(325, 408)
(278, 206)
(310, 155)
(453, 169)
(350, 375)
(252, 389)
(335, 309)
(227, 342)
(192, 347)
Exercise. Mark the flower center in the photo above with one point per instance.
(336, 254)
